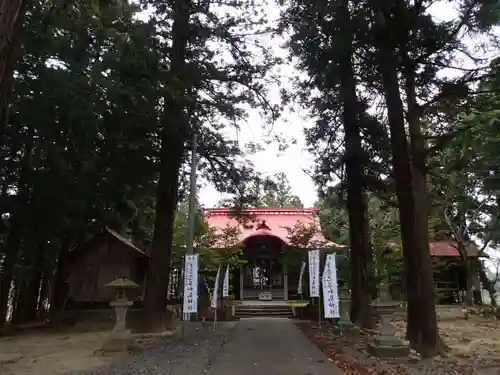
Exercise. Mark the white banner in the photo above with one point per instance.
(225, 284)
(301, 277)
(314, 273)
(215, 293)
(191, 284)
(330, 288)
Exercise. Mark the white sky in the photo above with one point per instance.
(292, 161)
(295, 160)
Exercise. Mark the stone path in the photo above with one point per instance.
(191, 356)
(270, 347)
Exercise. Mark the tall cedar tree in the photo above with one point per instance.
(11, 19)
(202, 91)
(66, 170)
(327, 55)
(357, 205)
(175, 128)
(422, 331)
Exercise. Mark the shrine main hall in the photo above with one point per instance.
(265, 234)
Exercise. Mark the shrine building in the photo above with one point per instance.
(265, 234)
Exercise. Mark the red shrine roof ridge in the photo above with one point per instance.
(262, 211)
(267, 221)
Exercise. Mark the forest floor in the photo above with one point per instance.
(474, 344)
(60, 352)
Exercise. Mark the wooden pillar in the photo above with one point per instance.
(242, 269)
(285, 284)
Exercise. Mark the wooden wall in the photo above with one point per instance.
(100, 264)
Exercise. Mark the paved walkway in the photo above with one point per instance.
(270, 347)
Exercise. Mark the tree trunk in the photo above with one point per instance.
(488, 284)
(174, 131)
(29, 284)
(359, 238)
(421, 206)
(11, 19)
(14, 240)
(422, 329)
(59, 291)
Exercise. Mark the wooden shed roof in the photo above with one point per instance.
(114, 234)
(449, 249)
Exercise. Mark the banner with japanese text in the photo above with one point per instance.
(215, 293)
(330, 288)
(225, 284)
(190, 304)
(314, 273)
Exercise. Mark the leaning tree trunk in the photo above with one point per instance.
(423, 331)
(174, 132)
(11, 19)
(359, 238)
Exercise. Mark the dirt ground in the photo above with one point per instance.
(474, 339)
(474, 344)
(50, 353)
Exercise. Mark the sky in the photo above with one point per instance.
(295, 161)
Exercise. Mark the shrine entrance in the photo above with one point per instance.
(263, 277)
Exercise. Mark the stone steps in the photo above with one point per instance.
(245, 311)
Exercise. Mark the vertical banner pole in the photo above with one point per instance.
(215, 297)
(319, 288)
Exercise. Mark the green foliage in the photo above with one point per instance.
(216, 247)
(94, 95)
(273, 192)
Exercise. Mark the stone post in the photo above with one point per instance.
(387, 345)
(345, 323)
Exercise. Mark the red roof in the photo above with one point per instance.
(273, 222)
(448, 249)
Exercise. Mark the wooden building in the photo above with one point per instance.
(100, 260)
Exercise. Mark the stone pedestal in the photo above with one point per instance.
(120, 339)
(387, 345)
(344, 322)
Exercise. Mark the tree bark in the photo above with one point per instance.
(174, 131)
(11, 19)
(14, 239)
(422, 329)
(359, 238)
(418, 152)
(60, 291)
(25, 310)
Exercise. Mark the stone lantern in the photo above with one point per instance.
(387, 345)
(120, 339)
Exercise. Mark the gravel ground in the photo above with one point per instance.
(191, 356)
